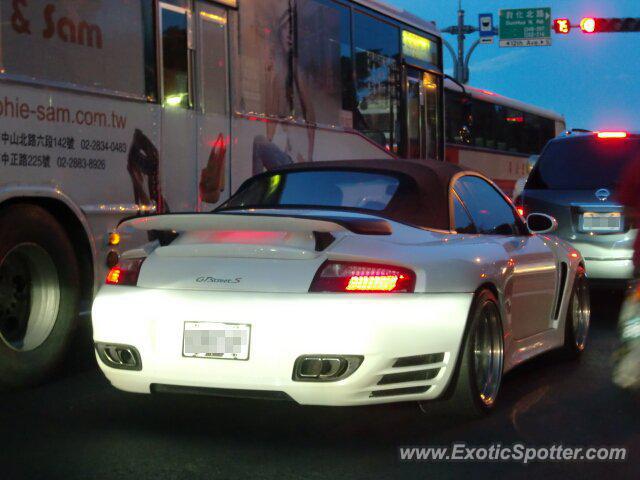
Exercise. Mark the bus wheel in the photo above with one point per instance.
(39, 295)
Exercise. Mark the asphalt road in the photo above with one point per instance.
(80, 427)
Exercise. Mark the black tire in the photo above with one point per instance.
(579, 304)
(38, 273)
(466, 399)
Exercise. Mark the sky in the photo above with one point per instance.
(593, 80)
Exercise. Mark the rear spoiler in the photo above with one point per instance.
(183, 222)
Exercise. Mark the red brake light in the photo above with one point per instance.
(612, 134)
(125, 272)
(520, 211)
(348, 277)
(588, 25)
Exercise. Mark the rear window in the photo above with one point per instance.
(324, 189)
(583, 163)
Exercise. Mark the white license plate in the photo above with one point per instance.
(216, 340)
(601, 222)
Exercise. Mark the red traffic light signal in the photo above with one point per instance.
(609, 25)
(562, 25)
(588, 25)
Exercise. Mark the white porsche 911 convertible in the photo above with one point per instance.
(343, 283)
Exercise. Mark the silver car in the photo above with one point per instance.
(575, 181)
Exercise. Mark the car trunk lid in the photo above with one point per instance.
(245, 252)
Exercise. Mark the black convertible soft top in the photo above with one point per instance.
(423, 195)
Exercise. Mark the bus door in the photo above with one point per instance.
(194, 47)
(415, 114)
(422, 134)
(178, 128)
(214, 119)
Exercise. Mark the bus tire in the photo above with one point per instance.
(39, 295)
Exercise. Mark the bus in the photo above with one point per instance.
(114, 108)
(493, 134)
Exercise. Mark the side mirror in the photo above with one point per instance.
(541, 223)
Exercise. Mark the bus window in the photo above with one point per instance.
(150, 52)
(513, 122)
(502, 128)
(431, 84)
(548, 131)
(184, 4)
(324, 60)
(542, 130)
(457, 115)
(453, 113)
(532, 133)
(509, 130)
(483, 122)
(377, 46)
(265, 59)
(176, 89)
(213, 62)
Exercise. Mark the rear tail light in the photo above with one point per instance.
(125, 272)
(348, 277)
(612, 134)
(520, 210)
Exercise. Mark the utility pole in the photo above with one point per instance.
(460, 62)
(461, 38)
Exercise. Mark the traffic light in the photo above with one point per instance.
(610, 25)
(562, 25)
(588, 25)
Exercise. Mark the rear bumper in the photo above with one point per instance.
(619, 269)
(605, 262)
(380, 328)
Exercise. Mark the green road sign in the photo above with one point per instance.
(525, 27)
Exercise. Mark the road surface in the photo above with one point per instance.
(78, 427)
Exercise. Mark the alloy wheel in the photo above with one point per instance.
(488, 354)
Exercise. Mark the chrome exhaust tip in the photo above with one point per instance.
(122, 357)
(325, 368)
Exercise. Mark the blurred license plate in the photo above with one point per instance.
(601, 222)
(216, 340)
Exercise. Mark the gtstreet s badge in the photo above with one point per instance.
(603, 194)
(218, 280)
